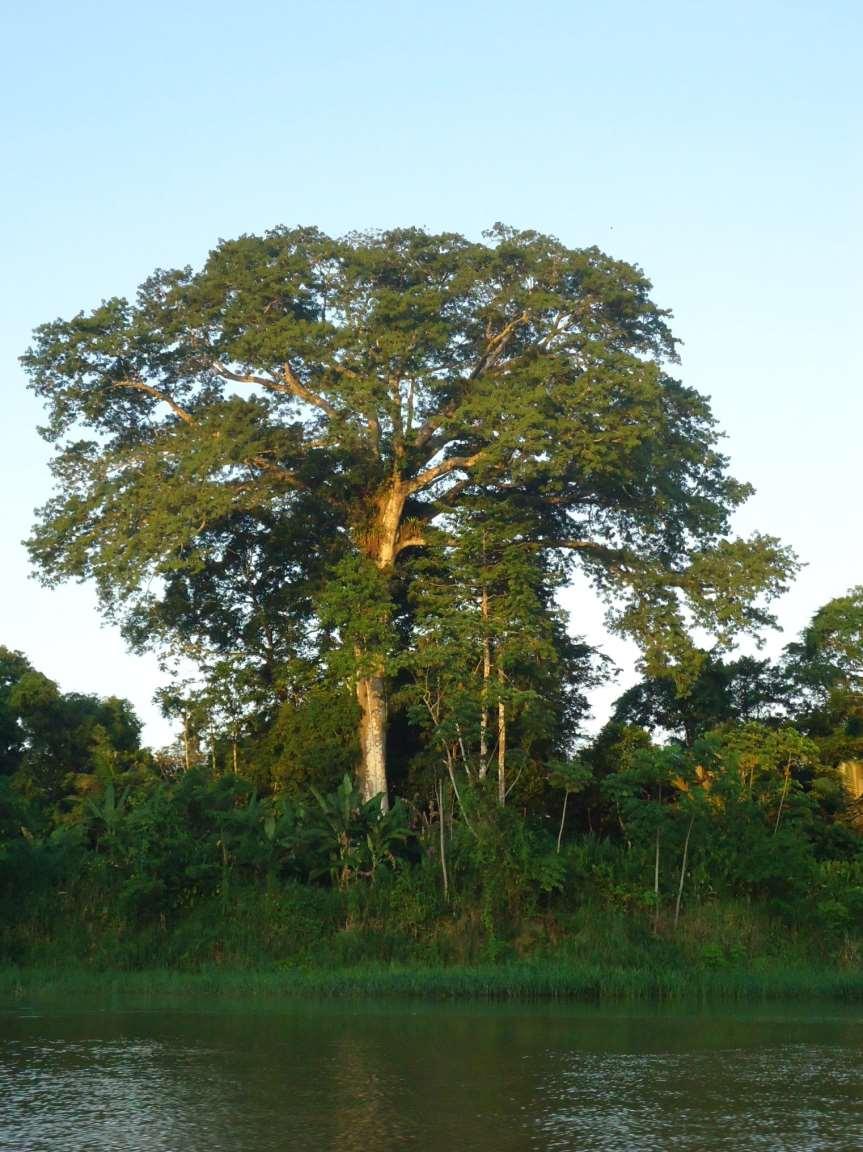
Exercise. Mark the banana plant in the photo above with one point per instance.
(107, 811)
(348, 837)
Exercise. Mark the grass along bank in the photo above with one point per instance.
(301, 941)
(521, 980)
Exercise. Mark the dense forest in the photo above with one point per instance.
(339, 486)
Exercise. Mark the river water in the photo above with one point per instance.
(309, 1077)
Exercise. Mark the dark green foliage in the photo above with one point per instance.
(739, 690)
(311, 741)
(346, 838)
(121, 865)
(823, 671)
(56, 745)
(203, 871)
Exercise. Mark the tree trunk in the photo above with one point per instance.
(382, 546)
(384, 537)
(371, 695)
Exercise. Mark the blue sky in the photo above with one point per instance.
(718, 145)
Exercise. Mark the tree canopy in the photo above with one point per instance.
(55, 743)
(260, 462)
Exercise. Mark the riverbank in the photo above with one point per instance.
(511, 981)
(298, 941)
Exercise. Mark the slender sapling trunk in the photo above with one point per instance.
(656, 866)
(683, 871)
(486, 676)
(501, 746)
(440, 808)
(785, 786)
(562, 819)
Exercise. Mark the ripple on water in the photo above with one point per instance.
(438, 1080)
(805, 1098)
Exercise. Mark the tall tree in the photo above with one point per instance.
(738, 690)
(495, 674)
(363, 387)
(824, 676)
(829, 654)
(14, 667)
(49, 738)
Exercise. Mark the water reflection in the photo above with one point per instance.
(381, 1078)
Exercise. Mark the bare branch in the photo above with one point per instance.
(452, 494)
(495, 347)
(374, 427)
(579, 545)
(620, 558)
(438, 442)
(517, 778)
(409, 416)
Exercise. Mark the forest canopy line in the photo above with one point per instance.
(346, 478)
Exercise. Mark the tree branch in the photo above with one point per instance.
(439, 442)
(290, 385)
(409, 416)
(298, 389)
(452, 464)
(284, 473)
(615, 556)
(140, 386)
(374, 426)
(578, 545)
(449, 497)
(494, 348)
(428, 429)
(417, 541)
(497, 344)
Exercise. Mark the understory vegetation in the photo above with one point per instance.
(732, 860)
